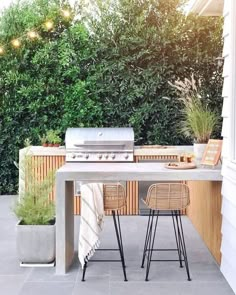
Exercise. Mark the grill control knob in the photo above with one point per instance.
(113, 156)
(99, 156)
(127, 156)
(73, 156)
(107, 156)
(86, 156)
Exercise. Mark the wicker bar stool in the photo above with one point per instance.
(114, 198)
(170, 197)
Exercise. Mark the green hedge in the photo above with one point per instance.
(112, 70)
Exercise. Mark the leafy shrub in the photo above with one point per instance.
(108, 70)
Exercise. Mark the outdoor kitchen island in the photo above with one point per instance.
(108, 172)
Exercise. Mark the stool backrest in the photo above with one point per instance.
(114, 196)
(168, 196)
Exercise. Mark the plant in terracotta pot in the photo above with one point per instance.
(53, 138)
(56, 140)
(43, 139)
(36, 213)
(198, 121)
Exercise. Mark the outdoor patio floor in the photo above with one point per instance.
(107, 278)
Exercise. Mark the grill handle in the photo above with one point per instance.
(98, 144)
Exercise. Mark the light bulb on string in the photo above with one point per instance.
(49, 25)
(32, 35)
(1, 50)
(16, 43)
(66, 13)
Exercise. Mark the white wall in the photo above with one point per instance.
(228, 247)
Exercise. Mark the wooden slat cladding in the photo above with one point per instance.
(205, 213)
(43, 165)
(156, 158)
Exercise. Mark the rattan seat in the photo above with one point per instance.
(171, 198)
(114, 196)
(167, 196)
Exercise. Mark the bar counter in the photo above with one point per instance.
(99, 172)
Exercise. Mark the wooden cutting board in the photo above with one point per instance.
(180, 165)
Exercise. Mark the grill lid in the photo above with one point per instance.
(76, 137)
(99, 140)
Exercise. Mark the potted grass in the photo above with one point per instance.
(198, 121)
(36, 213)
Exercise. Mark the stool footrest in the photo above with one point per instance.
(107, 249)
(167, 260)
(105, 260)
(161, 249)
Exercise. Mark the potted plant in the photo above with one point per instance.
(198, 120)
(36, 213)
(53, 137)
(56, 140)
(43, 139)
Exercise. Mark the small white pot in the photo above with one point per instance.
(198, 149)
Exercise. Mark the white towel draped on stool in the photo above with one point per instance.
(91, 220)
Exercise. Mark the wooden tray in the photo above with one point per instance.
(180, 165)
(154, 147)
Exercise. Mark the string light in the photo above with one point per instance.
(16, 43)
(32, 35)
(66, 13)
(49, 25)
(1, 50)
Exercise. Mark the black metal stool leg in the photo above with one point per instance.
(119, 245)
(84, 271)
(146, 240)
(177, 241)
(184, 246)
(151, 244)
(182, 241)
(120, 235)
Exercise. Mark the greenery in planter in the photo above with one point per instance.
(43, 139)
(110, 70)
(34, 207)
(53, 137)
(198, 120)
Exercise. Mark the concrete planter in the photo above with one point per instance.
(36, 243)
(198, 149)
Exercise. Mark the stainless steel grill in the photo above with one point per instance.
(99, 145)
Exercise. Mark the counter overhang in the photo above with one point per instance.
(134, 171)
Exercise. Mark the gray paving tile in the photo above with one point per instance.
(48, 275)
(9, 265)
(7, 203)
(96, 269)
(107, 278)
(47, 288)
(206, 288)
(41, 274)
(138, 288)
(94, 285)
(167, 288)
(11, 285)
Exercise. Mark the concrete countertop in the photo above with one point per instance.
(134, 171)
(153, 150)
(138, 150)
(46, 151)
